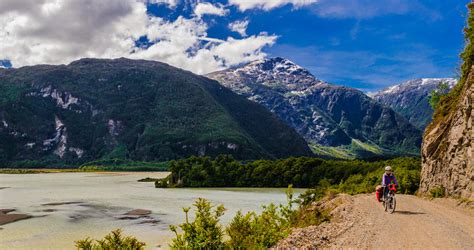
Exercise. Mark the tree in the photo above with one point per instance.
(114, 240)
(436, 94)
(204, 232)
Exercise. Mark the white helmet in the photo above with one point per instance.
(388, 168)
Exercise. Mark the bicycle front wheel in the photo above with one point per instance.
(391, 204)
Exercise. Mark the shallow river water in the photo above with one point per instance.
(95, 204)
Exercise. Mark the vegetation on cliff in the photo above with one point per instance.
(447, 103)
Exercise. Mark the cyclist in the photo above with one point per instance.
(388, 178)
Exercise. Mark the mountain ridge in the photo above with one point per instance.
(133, 109)
(411, 98)
(319, 111)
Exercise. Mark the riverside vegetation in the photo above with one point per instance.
(245, 231)
(349, 176)
(258, 231)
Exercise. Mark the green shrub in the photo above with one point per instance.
(252, 231)
(437, 93)
(204, 232)
(113, 241)
(249, 231)
(438, 192)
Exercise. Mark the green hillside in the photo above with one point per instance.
(139, 110)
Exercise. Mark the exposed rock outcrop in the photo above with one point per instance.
(411, 98)
(447, 151)
(67, 115)
(336, 121)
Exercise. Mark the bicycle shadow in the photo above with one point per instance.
(408, 212)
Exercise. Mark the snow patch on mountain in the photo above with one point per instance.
(277, 73)
(322, 113)
(430, 83)
(411, 98)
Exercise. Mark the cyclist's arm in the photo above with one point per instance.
(395, 180)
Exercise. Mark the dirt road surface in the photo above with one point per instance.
(416, 224)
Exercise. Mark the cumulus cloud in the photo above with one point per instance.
(239, 27)
(60, 31)
(209, 9)
(244, 5)
(170, 3)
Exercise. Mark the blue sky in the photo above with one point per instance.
(366, 51)
(366, 44)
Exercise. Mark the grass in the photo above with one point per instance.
(357, 149)
(43, 170)
(124, 165)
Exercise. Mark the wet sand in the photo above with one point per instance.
(6, 216)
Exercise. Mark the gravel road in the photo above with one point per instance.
(417, 223)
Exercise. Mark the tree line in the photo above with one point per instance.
(350, 176)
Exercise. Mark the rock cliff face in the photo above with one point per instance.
(447, 151)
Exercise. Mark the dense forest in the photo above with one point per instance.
(354, 176)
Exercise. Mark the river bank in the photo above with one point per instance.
(69, 206)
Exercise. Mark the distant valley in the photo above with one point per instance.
(336, 121)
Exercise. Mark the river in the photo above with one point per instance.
(71, 206)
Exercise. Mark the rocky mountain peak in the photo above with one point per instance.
(420, 84)
(277, 73)
(330, 117)
(411, 98)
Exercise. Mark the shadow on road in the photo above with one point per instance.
(408, 212)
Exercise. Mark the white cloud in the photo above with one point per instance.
(209, 9)
(239, 27)
(170, 3)
(66, 30)
(268, 4)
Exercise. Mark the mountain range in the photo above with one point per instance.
(411, 98)
(130, 109)
(150, 111)
(336, 121)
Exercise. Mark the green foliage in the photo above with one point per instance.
(252, 231)
(353, 176)
(10, 93)
(124, 165)
(139, 111)
(113, 241)
(204, 232)
(406, 170)
(438, 192)
(437, 93)
(245, 231)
